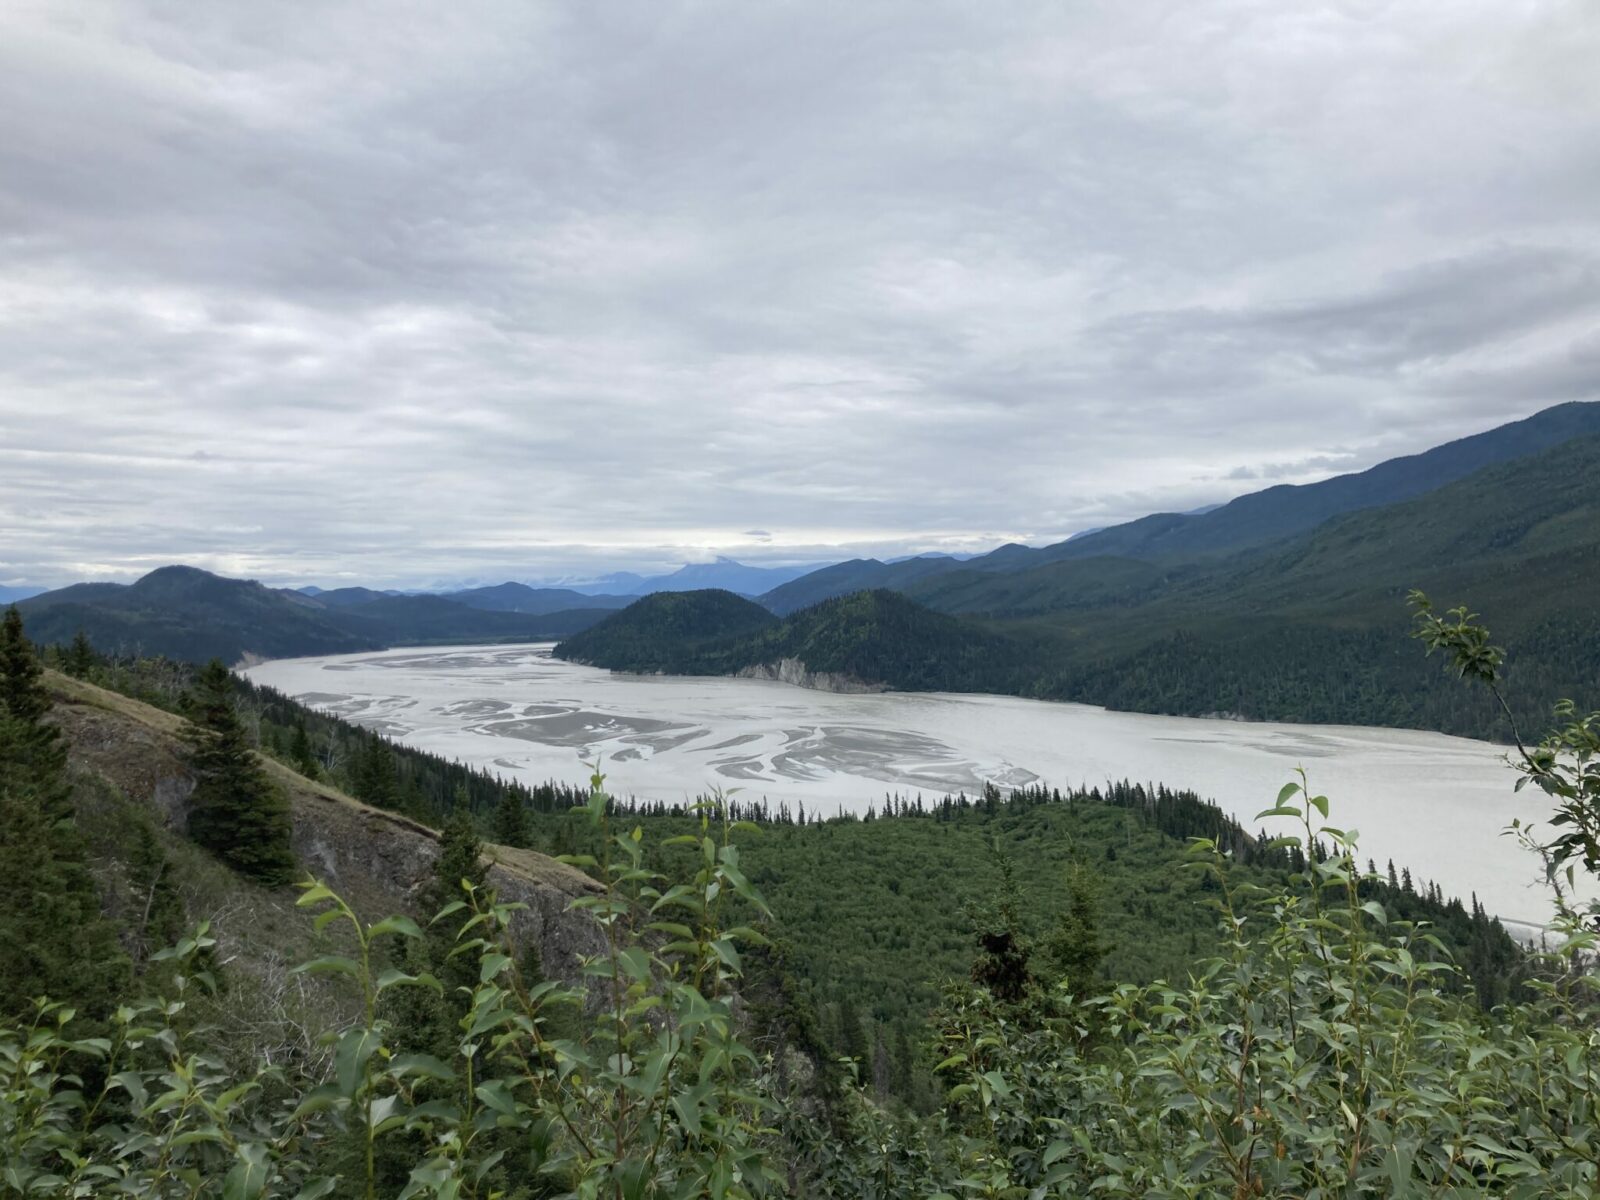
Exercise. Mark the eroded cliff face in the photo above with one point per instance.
(792, 670)
(129, 758)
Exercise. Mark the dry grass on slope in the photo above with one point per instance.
(129, 771)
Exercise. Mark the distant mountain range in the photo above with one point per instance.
(723, 573)
(1285, 603)
(189, 614)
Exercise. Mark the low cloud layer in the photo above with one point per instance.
(417, 293)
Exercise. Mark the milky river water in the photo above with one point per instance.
(1434, 803)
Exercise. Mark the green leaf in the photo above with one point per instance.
(404, 926)
(313, 893)
(424, 1065)
(350, 1058)
(1280, 811)
(247, 1180)
(395, 978)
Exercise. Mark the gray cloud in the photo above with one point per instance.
(408, 293)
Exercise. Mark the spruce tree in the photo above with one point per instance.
(373, 777)
(852, 1034)
(301, 754)
(54, 940)
(236, 811)
(426, 1021)
(1075, 947)
(79, 659)
(157, 907)
(511, 826)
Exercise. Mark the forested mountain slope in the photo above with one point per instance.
(1309, 629)
(131, 787)
(1254, 520)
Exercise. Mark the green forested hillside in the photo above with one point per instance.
(1251, 521)
(1310, 629)
(665, 631)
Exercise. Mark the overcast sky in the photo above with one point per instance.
(405, 293)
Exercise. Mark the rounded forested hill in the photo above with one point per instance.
(879, 636)
(666, 631)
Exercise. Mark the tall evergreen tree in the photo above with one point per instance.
(373, 777)
(236, 812)
(852, 1034)
(424, 1020)
(157, 907)
(511, 827)
(54, 939)
(1001, 961)
(301, 754)
(79, 658)
(1075, 947)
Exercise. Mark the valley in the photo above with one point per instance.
(1433, 803)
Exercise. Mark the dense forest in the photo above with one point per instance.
(906, 1002)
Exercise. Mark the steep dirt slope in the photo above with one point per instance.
(127, 760)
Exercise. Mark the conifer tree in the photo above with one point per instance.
(1075, 947)
(511, 827)
(301, 754)
(852, 1035)
(47, 887)
(157, 907)
(236, 811)
(79, 658)
(374, 779)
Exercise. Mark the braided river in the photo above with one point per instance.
(1436, 804)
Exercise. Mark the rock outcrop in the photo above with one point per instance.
(792, 670)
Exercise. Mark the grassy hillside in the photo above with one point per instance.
(129, 785)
